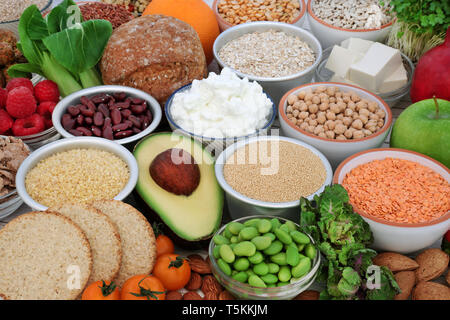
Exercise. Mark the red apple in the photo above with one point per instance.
(432, 74)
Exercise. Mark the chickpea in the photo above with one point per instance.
(322, 135)
(372, 106)
(358, 134)
(318, 130)
(289, 109)
(372, 129)
(308, 102)
(334, 108)
(354, 97)
(332, 100)
(355, 116)
(357, 124)
(308, 96)
(363, 118)
(331, 116)
(330, 124)
(321, 118)
(370, 123)
(340, 116)
(292, 98)
(341, 137)
(301, 95)
(347, 121)
(364, 112)
(313, 122)
(313, 108)
(324, 100)
(303, 115)
(295, 113)
(380, 113)
(311, 129)
(330, 134)
(342, 106)
(340, 128)
(331, 91)
(338, 94)
(321, 89)
(303, 106)
(323, 106)
(304, 125)
(315, 100)
(360, 105)
(313, 116)
(349, 133)
(297, 105)
(367, 132)
(351, 105)
(346, 99)
(294, 121)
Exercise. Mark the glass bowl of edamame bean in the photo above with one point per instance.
(264, 258)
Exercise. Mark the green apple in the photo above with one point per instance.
(424, 127)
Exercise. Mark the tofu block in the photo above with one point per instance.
(378, 63)
(357, 44)
(395, 81)
(336, 78)
(341, 59)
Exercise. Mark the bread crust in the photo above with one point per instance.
(154, 53)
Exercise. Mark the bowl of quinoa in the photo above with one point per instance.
(403, 195)
(81, 169)
(269, 174)
(277, 55)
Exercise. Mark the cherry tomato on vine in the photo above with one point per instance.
(143, 287)
(101, 290)
(173, 271)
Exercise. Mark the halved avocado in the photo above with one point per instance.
(183, 193)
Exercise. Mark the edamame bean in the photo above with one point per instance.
(290, 225)
(269, 278)
(234, 239)
(264, 226)
(235, 227)
(261, 242)
(250, 272)
(271, 285)
(224, 266)
(300, 247)
(252, 222)
(216, 252)
(241, 264)
(279, 258)
(303, 267)
(284, 275)
(273, 267)
(241, 276)
(244, 248)
(227, 233)
(270, 235)
(261, 269)
(292, 255)
(256, 281)
(300, 237)
(226, 253)
(248, 233)
(256, 258)
(310, 251)
(284, 228)
(274, 248)
(219, 239)
(280, 284)
(275, 224)
(283, 236)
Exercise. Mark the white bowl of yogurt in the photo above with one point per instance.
(220, 110)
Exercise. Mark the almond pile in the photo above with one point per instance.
(202, 281)
(414, 276)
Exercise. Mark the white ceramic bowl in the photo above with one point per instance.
(335, 150)
(69, 144)
(224, 25)
(74, 98)
(399, 237)
(240, 205)
(329, 35)
(275, 87)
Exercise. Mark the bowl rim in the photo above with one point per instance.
(337, 173)
(301, 33)
(168, 106)
(311, 13)
(230, 150)
(282, 112)
(400, 91)
(312, 273)
(72, 143)
(229, 25)
(64, 103)
(47, 6)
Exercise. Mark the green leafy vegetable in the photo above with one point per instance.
(342, 236)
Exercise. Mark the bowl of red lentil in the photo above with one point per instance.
(268, 175)
(403, 195)
(338, 119)
(80, 169)
(233, 12)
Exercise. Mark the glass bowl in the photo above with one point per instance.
(216, 145)
(391, 98)
(9, 203)
(245, 291)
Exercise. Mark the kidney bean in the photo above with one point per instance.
(67, 122)
(100, 98)
(103, 109)
(75, 132)
(122, 105)
(98, 118)
(119, 96)
(80, 119)
(149, 115)
(136, 101)
(138, 108)
(96, 131)
(107, 133)
(136, 130)
(73, 110)
(123, 134)
(111, 103)
(86, 111)
(84, 130)
(116, 116)
(145, 122)
(107, 122)
(120, 127)
(88, 120)
(135, 121)
(84, 100)
(126, 113)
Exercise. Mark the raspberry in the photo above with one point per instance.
(30, 125)
(6, 121)
(20, 103)
(46, 90)
(3, 95)
(46, 108)
(19, 82)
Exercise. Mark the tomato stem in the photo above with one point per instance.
(177, 263)
(146, 292)
(107, 289)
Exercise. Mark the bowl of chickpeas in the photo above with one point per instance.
(338, 119)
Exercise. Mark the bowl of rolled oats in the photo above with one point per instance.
(233, 12)
(277, 55)
(333, 21)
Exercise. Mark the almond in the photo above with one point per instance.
(431, 291)
(406, 281)
(395, 261)
(195, 282)
(211, 296)
(308, 295)
(210, 284)
(432, 263)
(192, 295)
(198, 264)
(174, 295)
(226, 295)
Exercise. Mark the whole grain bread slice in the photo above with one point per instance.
(137, 238)
(43, 256)
(103, 237)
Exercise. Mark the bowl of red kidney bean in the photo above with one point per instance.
(117, 113)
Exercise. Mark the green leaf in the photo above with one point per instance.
(65, 15)
(31, 49)
(21, 70)
(36, 26)
(388, 287)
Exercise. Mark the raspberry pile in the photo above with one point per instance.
(26, 109)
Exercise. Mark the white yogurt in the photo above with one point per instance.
(221, 106)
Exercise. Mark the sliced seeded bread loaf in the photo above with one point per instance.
(137, 238)
(43, 256)
(103, 237)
